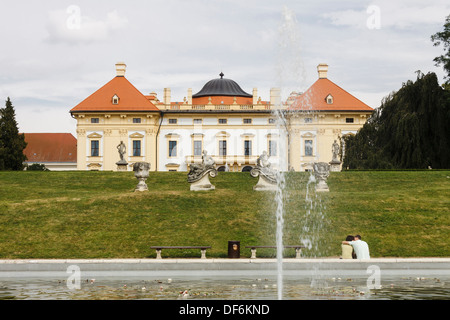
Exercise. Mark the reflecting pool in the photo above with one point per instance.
(224, 288)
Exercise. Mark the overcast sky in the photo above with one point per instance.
(55, 53)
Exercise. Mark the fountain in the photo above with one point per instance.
(313, 222)
(306, 226)
(289, 69)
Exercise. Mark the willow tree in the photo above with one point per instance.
(410, 130)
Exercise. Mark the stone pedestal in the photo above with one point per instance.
(335, 166)
(202, 185)
(264, 185)
(322, 186)
(142, 186)
(267, 180)
(122, 165)
(141, 172)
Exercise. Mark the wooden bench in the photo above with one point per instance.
(159, 248)
(298, 250)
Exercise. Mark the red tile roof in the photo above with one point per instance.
(51, 147)
(130, 99)
(314, 99)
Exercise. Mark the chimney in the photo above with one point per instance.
(275, 97)
(323, 70)
(167, 96)
(255, 96)
(189, 96)
(121, 67)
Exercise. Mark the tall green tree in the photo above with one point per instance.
(443, 37)
(12, 143)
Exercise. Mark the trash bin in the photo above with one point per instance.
(234, 249)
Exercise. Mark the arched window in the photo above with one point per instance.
(115, 99)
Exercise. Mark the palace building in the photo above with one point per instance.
(232, 125)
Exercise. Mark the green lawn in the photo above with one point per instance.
(97, 214)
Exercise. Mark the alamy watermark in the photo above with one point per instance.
(73, 22)
(373, 22)
(74, 280)
(374, 279)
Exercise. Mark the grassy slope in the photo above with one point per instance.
(97, 214)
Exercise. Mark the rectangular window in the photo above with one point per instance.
(136, 148)
(349, 120)
(222, 121)
(271, 120)
(136, 120)
(247, 148)
(222, 147)
(95, 120)
(272, 148)
(308, 148)
(198, 121)
(173, 121)
(94, 148)
(172, 148)
(197, 148)
(247, 121)
(308, 120)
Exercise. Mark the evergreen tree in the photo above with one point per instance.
(12, 143)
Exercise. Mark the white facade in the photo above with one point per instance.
(233, 146)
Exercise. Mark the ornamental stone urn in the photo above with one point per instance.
(321, 173)
(141, 172)
(199, 174)
(267, 176)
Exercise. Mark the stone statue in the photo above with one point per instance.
(335, 163)
(335, 150)
(207, 160)
(141, 172)
(267, 175)
(199, 172)
(321, 173)
(263, 160)
(122, 150)
(122, 164)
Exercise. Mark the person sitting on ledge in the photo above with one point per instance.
(361, 247)
(347, 249)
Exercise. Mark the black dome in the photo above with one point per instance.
(221, 87)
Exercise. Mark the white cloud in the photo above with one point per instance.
(71, 26)
(51, 63)
(392, 14)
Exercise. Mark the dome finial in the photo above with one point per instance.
(221, 75)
